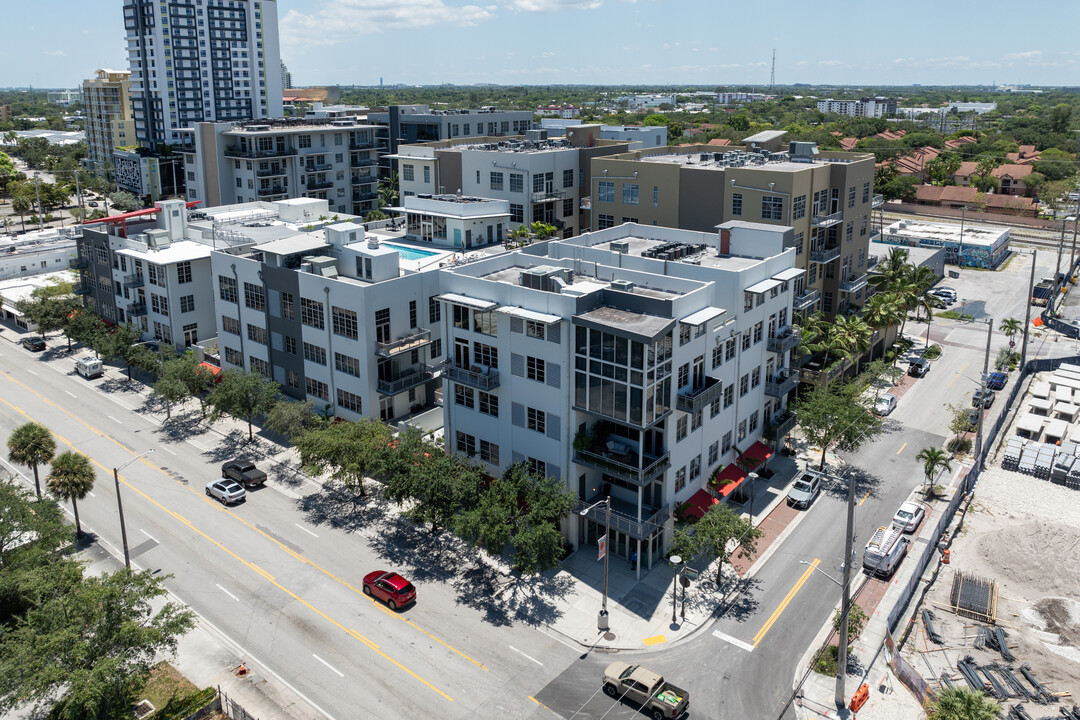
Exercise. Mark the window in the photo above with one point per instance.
(230, 325)
(680, 479)
(695, 420)
(486, 355)
(772, 207)
(535, 369)
(849, 231)
(290, 344)
(287, 303)
(187, 303)
(464, 396)
(714, 452)
(489, 452)
(259, 365)
(717, 356)
(753, 421)
(746, 340)
(344, 322)
(314, 353)
(348, 401)
(159, 304)
(303, 141)
(537, 468)
(292, 379)
(568, 207)
(408, 173)
(630, 194)
(744, 385)
(517, 213)
(862, 227)
(496, 181)
(757, 333)
(227, 289)
(605, 221)
(680, 428)
(317, 388)
(714, 407)
(606, 191)
(742, 430)
(729, 350)
(866, 192)
(466, 444)
(183, 272)
(798, 208)
(695, 467)
(725, 443)
(538, 182)
(736, 203)
(535, 329)
(485, 322)
(655, 195)
(799, 243)
(684, 375)
(755, 377)
(256, 334)
(254, 296)
(311, 313)
(488, 403)
(434, 310)
(346, 364)
(155, 274)
(517, 183)
(851, 197)
(536, 420)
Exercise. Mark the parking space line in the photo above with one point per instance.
(227, 593)
(71, 394)
(901, 448)
(305, 530)
(114, 419)
(31, 371)
(149, 535)
(340, 674)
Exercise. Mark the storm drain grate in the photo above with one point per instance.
(974, 597)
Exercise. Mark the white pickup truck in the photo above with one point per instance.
(657, 697)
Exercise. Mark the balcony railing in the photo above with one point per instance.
(235, 152)
(272, 190)
(361, 145)
(691, 401)
(824, 221)
(781, 424)
(272, 172)
(878, 201)
(805, 299)
(812, 371)
(547, 196)
(317, 167)
(81, 289)
(872, 261)
(481, 380)
(136, 309)
(416, 339)
(423, 374)
(78, 263)
(626, 524)
(320, 185)
(853, 284)
(825, 255)
(362, 162)
(625, 465)
(785, 339)
(361, 197)
(134, 281)
(364, 179)
(781, 385)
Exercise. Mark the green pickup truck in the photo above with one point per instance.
(657, 697)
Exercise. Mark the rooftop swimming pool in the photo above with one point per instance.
(409, 253)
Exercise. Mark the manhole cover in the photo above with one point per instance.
(609, 636)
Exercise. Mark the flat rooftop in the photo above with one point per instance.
(581, 285)
(736, 158)
(516, 146)
(309, 125)
(176, 251)
(973, 234)
(704, 254)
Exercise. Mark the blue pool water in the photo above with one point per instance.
(411, 253)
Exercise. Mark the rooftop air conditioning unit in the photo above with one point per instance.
(622, 285)
(620, 246)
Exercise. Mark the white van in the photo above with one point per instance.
(89, 367)
(885, 550)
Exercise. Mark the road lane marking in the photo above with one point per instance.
(733, 640)
(305, 530)
(787, 599)
(232, 554)
(31, 371)
(168, 450)
(71, 394)
(525, 656)
(149, 535)
(92, 494)
(340, 674)
(901, 448)
(227, 593)
(864, 498)
(197, 446)
(114, 419)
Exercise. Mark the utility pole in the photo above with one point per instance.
(1057, 272)
(845, 600)
(982, 408)
(1072, 257)
(37, 192)
(1027, 310)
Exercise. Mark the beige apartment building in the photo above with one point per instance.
(825, 196)
(109, 122)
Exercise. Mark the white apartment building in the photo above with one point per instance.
(639, 137)
(266, 160)
(154, 274)
(107, 108)
(865, 107)
(63, 97)
(629, 362)
(737, 98)
(201, 60)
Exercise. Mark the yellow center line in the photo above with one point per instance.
(864, 498)
(901, 448)
(229, 552)
(787, 599)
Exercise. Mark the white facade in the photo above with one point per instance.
(459, 222)
(36, 252)
(638, 137)
(64, 97)
(675, 363)
(638, 102)
(197, 60)
(865, 107)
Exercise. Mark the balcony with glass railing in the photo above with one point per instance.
(272, 190)
(824, 221)
(419, 375)
(624, 516)
(134, 281)
(624, 462)
(854, 283)
(784, 339)
(414, 340)
(693, 399)
(318, 167)
(481, 379)
(781, 384)
(878, 201)
(320, 185)
(251, 153)
(547, 196)
(825, 255)
(362, 162)
(136, 309)
(78, 263)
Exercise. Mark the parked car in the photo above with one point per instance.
(973, 419)
(391, 588)
(885, 404)
(997, 380)
(243, 472)
(33, 344)
(656, 697)
(805, 489)
(92, 203)
(947, 294)
(227, 492)
(885, 551)
(89, 367)
(983, 398)
(908, 517)
(918, 367)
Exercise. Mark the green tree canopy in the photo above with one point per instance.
(714, 535)
(32, 444)
(292, 419)
(961, 703)
(242, 395)
(124, 201)
(348, 451)
(836, 416)
(32, 535)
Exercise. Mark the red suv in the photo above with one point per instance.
(389, 587)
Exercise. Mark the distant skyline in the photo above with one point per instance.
(604, 42)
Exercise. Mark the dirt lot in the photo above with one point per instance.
(1024, 533)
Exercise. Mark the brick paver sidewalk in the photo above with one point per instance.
(771, 527)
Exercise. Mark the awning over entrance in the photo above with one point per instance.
(757, 454)
(732, 473)
(698, 504)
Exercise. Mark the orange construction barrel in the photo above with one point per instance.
(945, 556)
(859, 698)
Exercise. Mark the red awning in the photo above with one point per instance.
(759, 452)
(212, 368)
(122, 218)
(731, 473)
(698, 504)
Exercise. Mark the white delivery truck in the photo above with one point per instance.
(89, 367)
(885, 550)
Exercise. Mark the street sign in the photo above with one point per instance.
(690, 573)
(603, 548)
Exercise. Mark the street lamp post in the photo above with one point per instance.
(752, 477)
(845, 604)
(960, 253)
(120, 504)
(602, 616)
(677, 562)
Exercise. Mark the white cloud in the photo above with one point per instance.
(829, 62)
(547, 54)
(336, 22)
(801, 63)
(551, 5)
(1029, 55)
(669, 46)
(56, 53)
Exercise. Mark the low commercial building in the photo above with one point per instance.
(147, 175)
(968, 245)
(639, 136)
(630, 363)
(37, 252)
(458, 222)
(63, 98)
(14, 289)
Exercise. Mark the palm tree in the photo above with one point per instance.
(889, 271)
(963, 704)
(852, 335)
(1010, 326)
(31, 444)
(72, 478)
(933, 460)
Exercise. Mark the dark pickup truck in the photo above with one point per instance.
(243, 472)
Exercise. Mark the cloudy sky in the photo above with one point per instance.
(57, 43)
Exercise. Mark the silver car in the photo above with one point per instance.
(909, 516)
(805, 489)
(226, 492)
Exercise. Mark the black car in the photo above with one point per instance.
(33, 344)
(919, 367)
